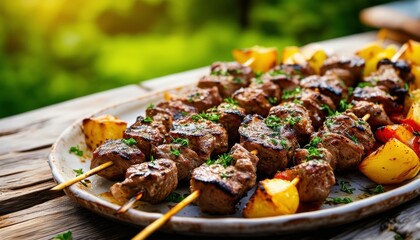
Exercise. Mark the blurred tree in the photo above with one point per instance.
(53, 50)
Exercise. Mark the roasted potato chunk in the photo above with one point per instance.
(273, 197)
(99, 129)
(392, 163)
(260, 59)
(317, 59)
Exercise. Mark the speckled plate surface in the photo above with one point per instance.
(190, 220)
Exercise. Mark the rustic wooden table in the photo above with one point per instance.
(28, 210)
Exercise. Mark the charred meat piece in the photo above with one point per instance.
(377, 113)
(376, 95)
(313, 101)
(204, 136)
(349, 125)
(186, 159)
(316, 180)
(387, 77)
(147, 133)
(230, 116)
(253, 100)
(270, 89)
(353, 67)
(313, 153)
(201, 99)
(285, 76)
(274, 140)
(178, 109)
(155, 179)
(330, 86)
(242, 73)
(119, 152)
(289, 110)
(226, 85)
(402, 68)
(160, 115)
(224, 181)
(346, 153)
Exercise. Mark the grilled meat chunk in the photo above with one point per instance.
(147, 133)
(156, 180)
(177, 109)
(205, 137)
(231, 116)
(161, 116)
(270, 89)
(118, 152)
(350, 68)
(235, 69)
(186, 159)
(316, 180)
(253, 100)
(349, 125)
(274, 141)
(287, 76)
(376, 95)
(346, 153)
(377, 113)
(330, 86)
(313, 101)
(388, 78)
(313, 153)
(226, 85)
(201, 99)
(290, 110)
(223, 184)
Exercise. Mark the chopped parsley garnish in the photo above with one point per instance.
(184, 114)
(313, 150)
(337, 200)
(315, 141)
(214, 117)
(259, 80)
(175, 152)
(330, 112)
(273, 122)
(224, 175)
(277, 72)
(353, 138)
(350, 91)
(237, 80)
(231, 101)
(292, 93)
(272, 100)
(283, 143)
(130, 141)
(76, 150)
(379, 189)
(175, 197)
(150, 106)
(364, 84)
(406, 87)
(258, 74)
(152, 160)
(183, 141)
(219, 72)
(329, 122)
(78, 172)
(344, 105)
(292, 120)
(64, 236)
(148, 120)
(345, 187)
(225, 160)
(298, 101)
(274, 141)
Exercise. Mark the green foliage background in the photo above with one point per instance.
(54, 50)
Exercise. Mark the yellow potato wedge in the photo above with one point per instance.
(260, 59)
(392, 163)
(371, 64)
(273, 197)
(98, 129)
(288, 54)
(317, 59)
(370, 50)
(412, 54)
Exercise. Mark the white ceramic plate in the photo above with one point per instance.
(190, 220)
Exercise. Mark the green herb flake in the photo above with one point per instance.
(225, 160)
(277, 72)
(258, 74)
(219, 72)
(224, 175)
(379, 189)
(148, 120)
(183, 141)
(64, 236)
(231, 101)
(330, 112)
(237, 80)
(273, 122)
(150, 106)
(291, 93)
(274, 141)
(353, 138)
(337, 200)
(344, 105)
(298, 102)
(273, 100)
(259, 80)
(214, 117)
(130, 141)
(78, 172)
(345, 187)
(350, 91)
(175, 152)
(283, 143)
(364, 84)
(152, 160)
(175, 197)
(76, 150)
(292, 121)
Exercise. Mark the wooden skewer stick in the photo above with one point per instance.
(129, 203)
(295, 181)
(400, 52)
(161, 221)
(82, 176)
(249, 61)
(366, 117)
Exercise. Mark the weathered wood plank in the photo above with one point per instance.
(40, 128)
